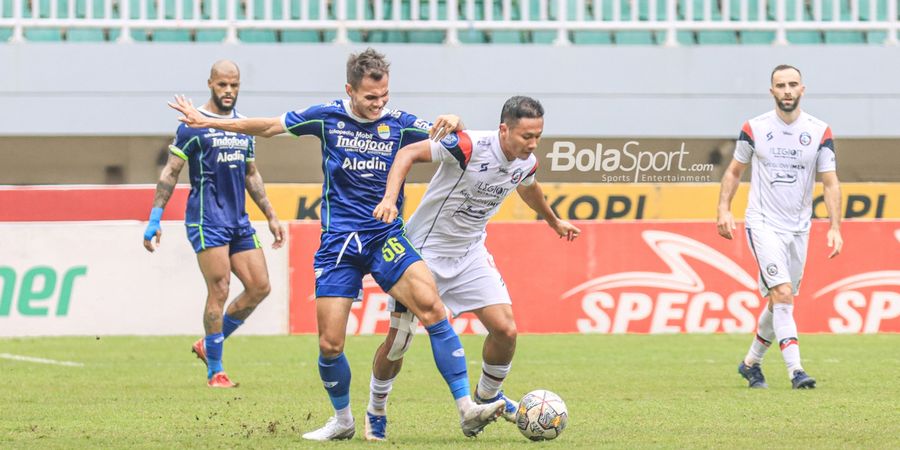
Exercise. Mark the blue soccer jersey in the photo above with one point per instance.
(356, 157)
(218, 164)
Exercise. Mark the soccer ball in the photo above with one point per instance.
(542, 415)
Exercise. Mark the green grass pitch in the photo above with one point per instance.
(674, 391)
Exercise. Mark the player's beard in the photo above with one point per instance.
(222, 107)
(786, 108)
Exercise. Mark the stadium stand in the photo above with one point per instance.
(561, 22)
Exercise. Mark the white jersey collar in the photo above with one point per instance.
(789, 125)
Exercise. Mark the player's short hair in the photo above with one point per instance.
(366, 64)
(519, 107)
(781, 67)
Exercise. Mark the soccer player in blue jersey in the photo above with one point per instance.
(359, 140)
(221, 166)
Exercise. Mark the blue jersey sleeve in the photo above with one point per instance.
(306, 122)
(414, 129)
(186, 142)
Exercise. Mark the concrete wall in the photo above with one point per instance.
(589, 91)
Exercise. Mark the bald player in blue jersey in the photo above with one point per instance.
(360, 138)
(222, 167)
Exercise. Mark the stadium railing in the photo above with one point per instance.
(560, 22)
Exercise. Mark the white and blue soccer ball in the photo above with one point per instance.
(542, 415)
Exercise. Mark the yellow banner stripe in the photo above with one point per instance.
(586, 201)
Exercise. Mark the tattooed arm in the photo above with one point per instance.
(164, 188)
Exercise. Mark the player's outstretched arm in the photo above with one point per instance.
(257, 191)
(164, 188)
(255, 126)
(832, 194)
(386, 211)
(730, 182)
(533, 196)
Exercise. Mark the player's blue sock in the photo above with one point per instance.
(213, 344)
(335, 374)
(449, 357)
(229, 324)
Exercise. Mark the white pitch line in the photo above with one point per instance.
(40, 360)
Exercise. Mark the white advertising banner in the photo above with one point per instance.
(95, 278)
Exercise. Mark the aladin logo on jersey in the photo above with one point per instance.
(236, 155)
(232, 142)
(384, 131)
(681, 294)
(364, 164)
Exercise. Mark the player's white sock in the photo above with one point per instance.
(378, 394)
(344, 416)
(492, 376)
(765, 334)
(786, 333)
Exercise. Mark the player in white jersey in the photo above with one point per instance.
(786, 148)
(478, 170)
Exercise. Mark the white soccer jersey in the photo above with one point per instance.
(785, 159)
(466, 191)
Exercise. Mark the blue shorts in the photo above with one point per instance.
(203, 237)
(344, 258)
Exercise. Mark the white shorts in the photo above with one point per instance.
(468, 282)
(780, 256)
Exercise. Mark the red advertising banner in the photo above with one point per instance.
(644, 277)
(78, 202)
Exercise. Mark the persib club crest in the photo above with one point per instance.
(384, 131)
(450, 140)
(805, 138)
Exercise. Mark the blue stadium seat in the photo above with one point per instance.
(314, 13)
(43, 11)
(638, 37)
(259, 13)
(471, 35)
(388, 14)
(206, 12)
(428, 36)
(753, 14)
(6, 11)
(353, 13)
(169, 12)
(150, 12)
(797, 37)
(841, 37)
(508, 36)
(87, 34)
(590, 37)
(534, 14)
(724, 37)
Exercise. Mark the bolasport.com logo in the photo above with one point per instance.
(630, 164)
